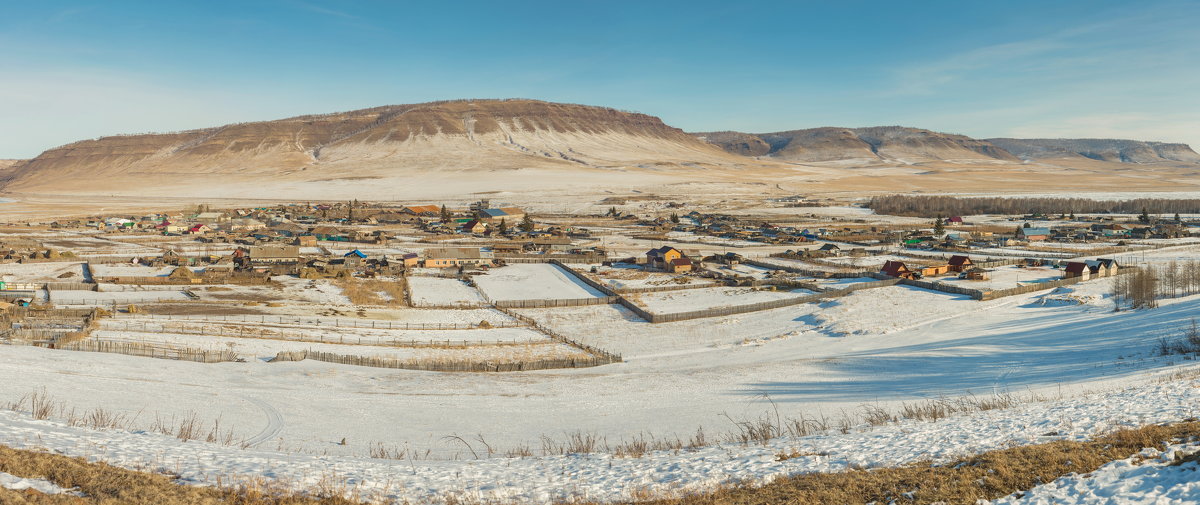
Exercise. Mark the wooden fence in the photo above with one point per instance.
(266, 333)
(71, 286)
(594, 351)
(556, 302)
(335, 323)
(846, 273)
(659, 289)
(332, 323)
(442, 366)
(151, 351)
(773, 304)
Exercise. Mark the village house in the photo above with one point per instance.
(1077, 269)
(422, 210)
(210, 217)
(679, 265)
(272, 255)
(894, 268)
(661, 257)
(456, 256)
(960, 263)
(474, 226)
(1033, 234)
(933, 270)
(976, 274)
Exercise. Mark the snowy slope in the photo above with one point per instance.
(606, 477)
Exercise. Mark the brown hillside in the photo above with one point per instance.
(383, 143)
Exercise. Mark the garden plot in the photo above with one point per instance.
(743, 270)
(684, 236)
(806, 265)
(321, 291)
(121, 270)
(101, 298)
(41, 272)
(384, 334)
(532, 281)
(843, 283)
(615, 329)
(668, 302)
(1005, 277)
(625, 276)
(89, 245)
(265, 348)
(877, 261)
(439, 319)
(441, 292)
(1022, 253)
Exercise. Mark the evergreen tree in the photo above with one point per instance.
(445, 214)
(939, 226)
(526, 224)
(674, 218)
(1177, 219)
(1145, 217)
(502, 227)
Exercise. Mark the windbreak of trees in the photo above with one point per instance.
(933, 205)
(1142, 289)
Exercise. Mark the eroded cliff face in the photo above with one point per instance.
(453, 135)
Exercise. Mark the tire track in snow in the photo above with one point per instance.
(274, 422)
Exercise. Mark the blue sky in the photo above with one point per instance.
(72, 70)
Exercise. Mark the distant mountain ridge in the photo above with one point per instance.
(376, 143)
(489, 146)
(1116, 150)
(914, 145)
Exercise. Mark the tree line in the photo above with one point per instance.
(936, 205)
(1142, 289)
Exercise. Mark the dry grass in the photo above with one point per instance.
(371, 291)
(39, 405)
(103, 484)
(987, 476)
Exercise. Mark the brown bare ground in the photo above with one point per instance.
(367, 291)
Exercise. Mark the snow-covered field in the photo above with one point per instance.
(622, 276)
(111, 297)
(605, 477)
(532, 281)
(42, 272)
(440, 292)
(666, 302)
(1005, 277)
(531, 348)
